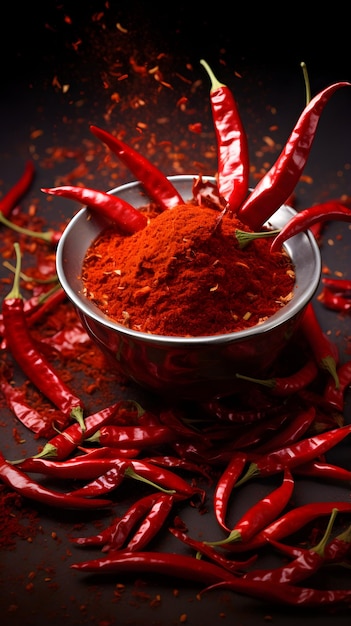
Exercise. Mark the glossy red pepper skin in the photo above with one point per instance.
(326, 212)
(9, 201)
(296, 454)
(200, 571)
(115, 209)
(20, 482)
(132, 436)
(295, 428)
(335, 395)
(225, 486)
(279, 182)
(152, 523)
(323, 349)
(232, 145)
(324, 471)
(257, 517)
(334, 301)
(157, 186)
(286, 385)
(33, 363)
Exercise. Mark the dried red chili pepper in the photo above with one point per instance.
(335, 395)
(64, 443)
(200, 571)
(232, 145)
(296, 454)
(225, 485)
(159, 187)
(289, 523)
(334, 301)
(116, 534)
(325, 212)
(323, 470)
(324, 350)
(261, 513)
(234, 566)
(132, 436)
(19, 189)
(115, 209)
(308, 562)
(279, 182)
(20, 482)
(287, 385)
(152, 523)
(296, 427)
(27, 355)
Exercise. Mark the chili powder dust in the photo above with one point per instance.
(186, 275)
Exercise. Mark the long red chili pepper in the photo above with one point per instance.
(280, 181)
(325, 471)
(132, 436)
(297, 454)
(225, 485)
(157, 185)
(289, 523)
(339, 547)
(308, 562)
(152, 523)
(232, 145)
(199, 571)
(296, 427)
(27, 355)
(324, 350)
(20, 482)
(301, 221)
(105, 483)
(232, 565)
(287, 385)
(339, 285)
(63, 444)
(261, 513)
(110, 206)
(334, 301)
(335, 395)
(19, 189)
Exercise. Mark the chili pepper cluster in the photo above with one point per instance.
(281, 427)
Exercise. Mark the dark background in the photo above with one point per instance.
(257, 51)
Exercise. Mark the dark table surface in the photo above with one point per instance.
(65, 67)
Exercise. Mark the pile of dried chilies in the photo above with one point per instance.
(281, 427)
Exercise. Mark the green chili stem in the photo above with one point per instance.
(47, 236)
(132, 474)
(244, 238)
(320, 547)
(26, 278)
(15, 291)
(307, 82)
(268, 382)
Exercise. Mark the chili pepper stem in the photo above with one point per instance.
(132, 474)
(235, 535)
(77, 414)
(267, 382)
(307, 82)
(215, 83)
(244, 238)
(251, 472)
(319, 548)
(328, 363)
(15, 291)
(45, 236)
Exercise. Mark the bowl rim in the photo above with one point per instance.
(90, 310)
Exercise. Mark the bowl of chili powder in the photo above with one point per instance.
(179, 307)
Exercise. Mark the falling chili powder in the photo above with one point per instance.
(185, 275)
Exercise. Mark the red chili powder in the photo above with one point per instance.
(186, 275)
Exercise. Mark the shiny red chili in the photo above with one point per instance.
(232, 145)
(279, 182)
(323, 349)
(9, 201)
(115, 209)
(159, 187)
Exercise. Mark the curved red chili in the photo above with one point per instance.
(295, 428)
(338, 285)
(20, 482)
(261, 513)
(157, 185)
(225, 485)
(334, 301)
(323, 349)
(280, 181)
(152, 523)
(27, 355)
(301, 221)
(335, 395)
(232, 145)
(132, 436)
(296, 454)
(200, 571)
(287, 385)
(323, 470)
(9, 201)
(110, 206)
(305, 564)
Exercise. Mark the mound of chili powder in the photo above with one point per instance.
(186, 275)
